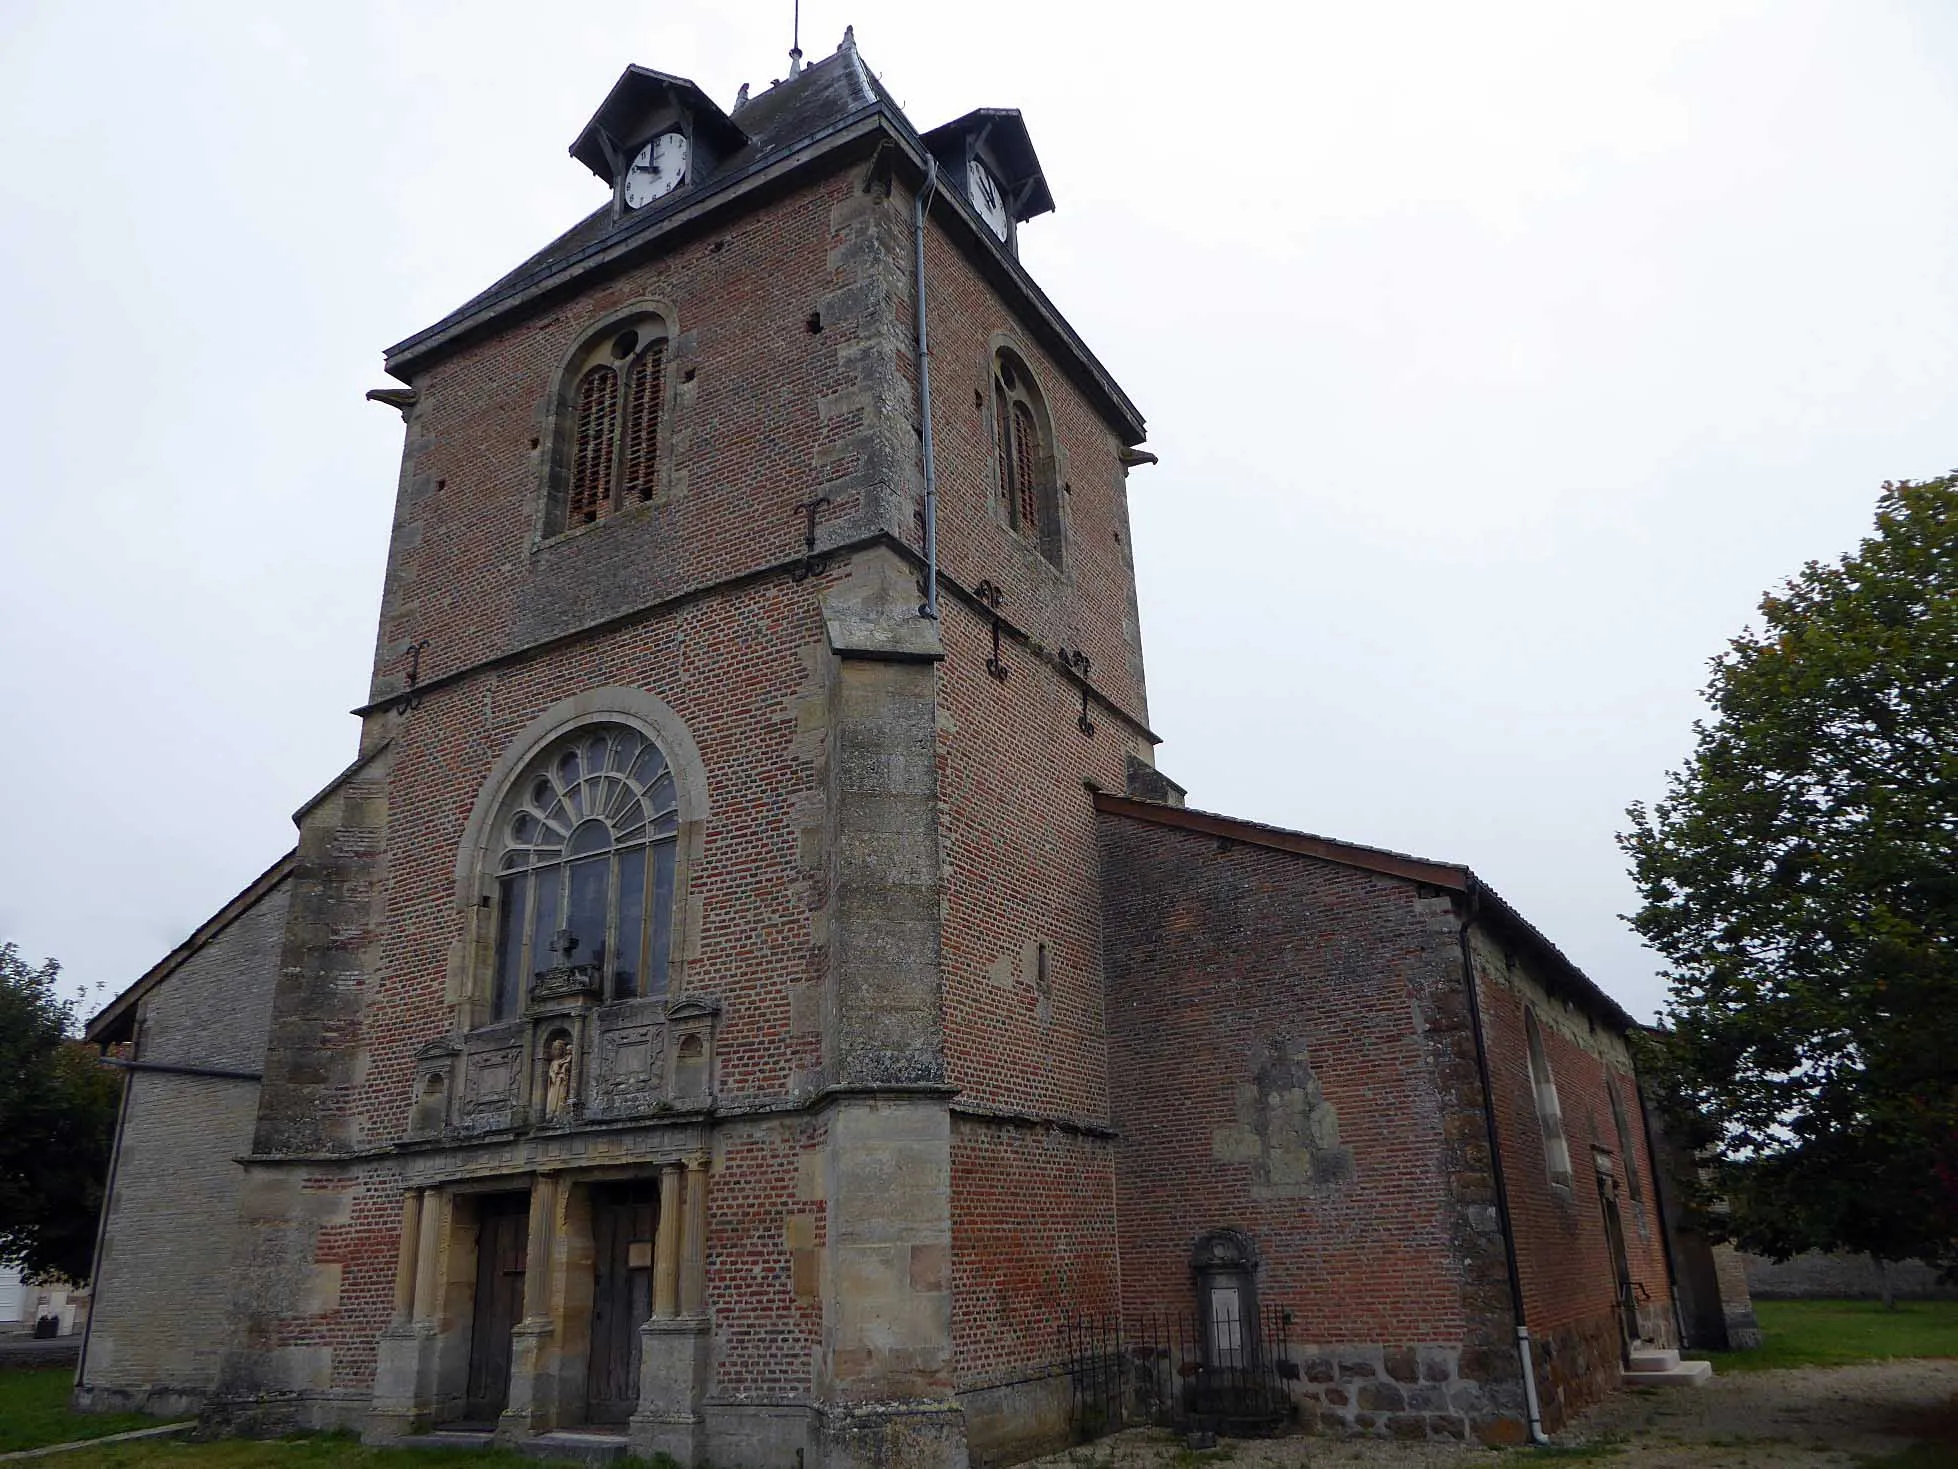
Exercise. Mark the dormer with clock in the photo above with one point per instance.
(653, 136)
(988, 158)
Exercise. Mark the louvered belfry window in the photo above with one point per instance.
(610, 418)
(1024, 459)
(644, 390)
(1026, 467)
(597, 446)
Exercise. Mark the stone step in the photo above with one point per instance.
(1681, 1374)
(579, 1445)
(450, 1438)
(1653, 1359)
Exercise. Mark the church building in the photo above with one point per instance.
(753, 997)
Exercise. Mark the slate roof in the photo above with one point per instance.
(829, 92)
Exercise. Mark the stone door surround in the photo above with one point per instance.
(423, 1355)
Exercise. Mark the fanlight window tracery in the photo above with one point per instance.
(586, 847)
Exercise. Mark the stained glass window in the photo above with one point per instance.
(588, 846)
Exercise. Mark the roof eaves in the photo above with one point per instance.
(111, 1014)
(1534, 938)
(1305, 844)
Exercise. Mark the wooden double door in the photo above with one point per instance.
(623, 1218)
(502, 1244)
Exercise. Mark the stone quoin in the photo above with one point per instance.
(753, 997)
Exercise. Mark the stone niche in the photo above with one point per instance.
(434, 1088)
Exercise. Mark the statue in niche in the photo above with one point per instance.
(557, 1077)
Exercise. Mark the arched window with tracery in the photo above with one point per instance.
(1550, 1113)
(608, 452)
(1024, 457)
(585, 866)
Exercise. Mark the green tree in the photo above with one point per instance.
(1800, 877)
(57, 1124)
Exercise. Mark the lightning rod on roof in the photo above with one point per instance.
(795, 43)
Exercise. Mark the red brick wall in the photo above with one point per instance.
(763, 414)
(1216, 950)
(1090, 602)
(1033, 1242)
(1568, 1278)
(767, 1320)
(1033, 1235)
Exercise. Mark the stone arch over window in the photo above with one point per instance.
(578, 853)
(1026, 472)
(610, 420)
(1550, 1114)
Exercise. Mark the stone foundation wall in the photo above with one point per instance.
(1577, 1364)
(1410, 1392)
(1018, 1421)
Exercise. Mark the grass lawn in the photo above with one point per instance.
(1832, 1333)
(319, 1452)
(34, 1411)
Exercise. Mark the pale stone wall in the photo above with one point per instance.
(1840, 1276)
(163, 1282)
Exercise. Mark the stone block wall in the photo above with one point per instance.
(1835, 1276)
(162, 1289)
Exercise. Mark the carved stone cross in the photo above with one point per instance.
(563, 944)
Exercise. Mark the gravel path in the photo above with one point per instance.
(1799, 1418)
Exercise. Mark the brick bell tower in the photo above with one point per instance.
(690, 1020)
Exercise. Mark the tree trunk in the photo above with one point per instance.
(1883, 1282)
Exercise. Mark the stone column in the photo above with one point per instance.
(533, 1402)
(407, 1360)
(404, 1261)
(693, 1248)
(673, 1364)
(537, 1248)
(428, 1257)
(666, 1245)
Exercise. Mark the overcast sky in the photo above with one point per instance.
(1499, 357)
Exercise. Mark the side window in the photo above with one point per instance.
(1626, 1152)
(1556, 1150)
(608, 425)
(1023, 459)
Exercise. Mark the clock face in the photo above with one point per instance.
(988, 198)
(660, 168)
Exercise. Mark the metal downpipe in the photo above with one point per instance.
(921, 206)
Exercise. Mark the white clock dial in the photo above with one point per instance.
(988, 198)
(660, 168)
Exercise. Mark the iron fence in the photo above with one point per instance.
(1163, 1368)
